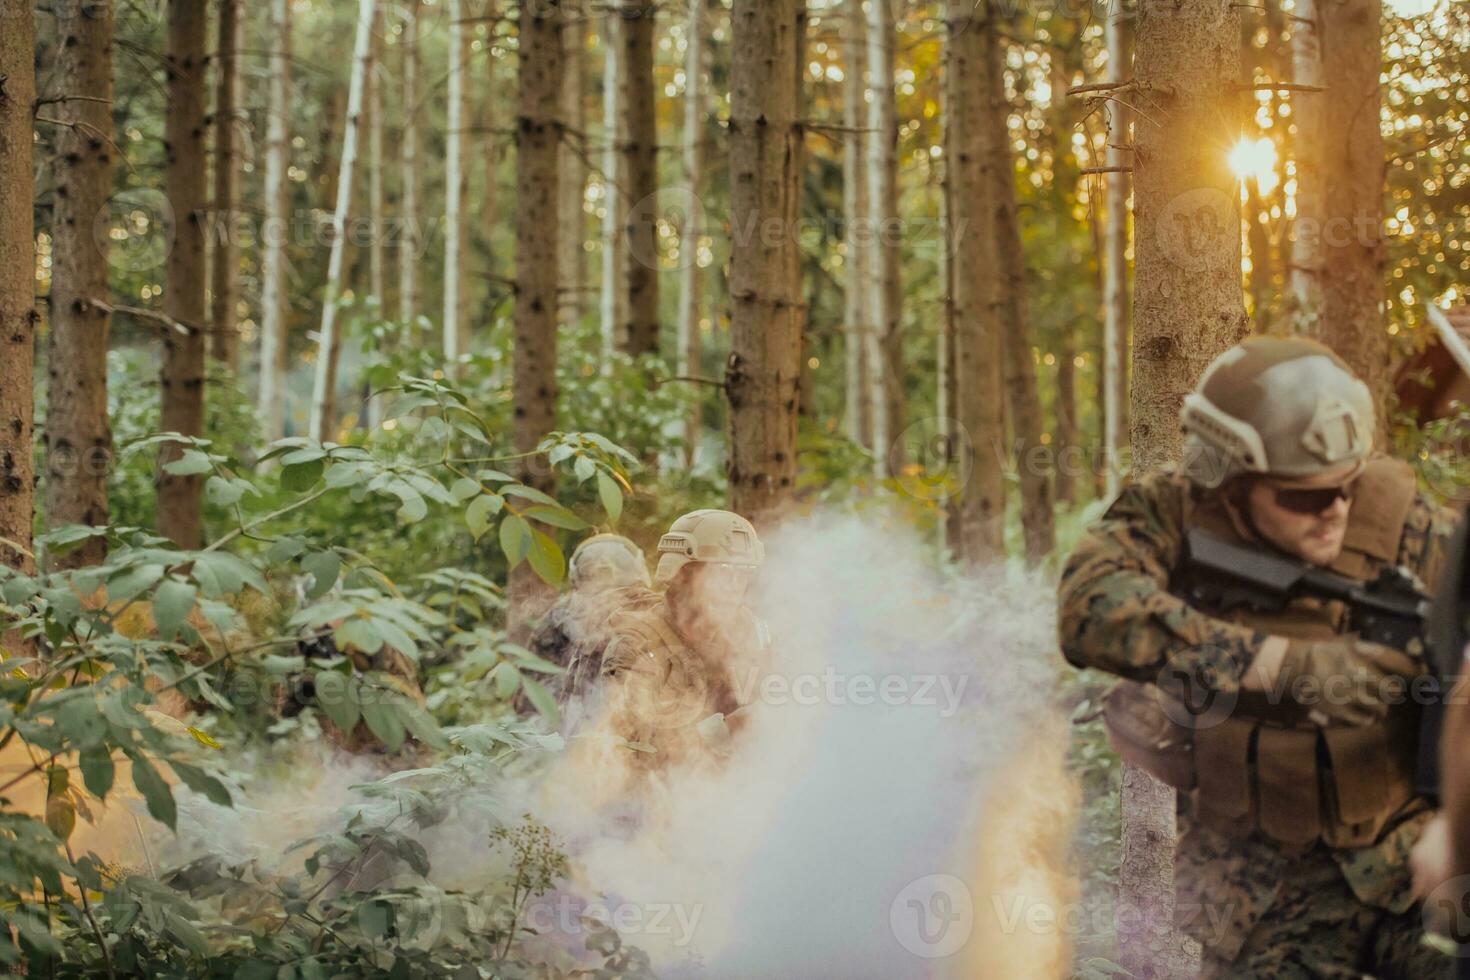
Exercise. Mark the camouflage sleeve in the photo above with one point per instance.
(1114, 611)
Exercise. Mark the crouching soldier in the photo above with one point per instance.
(1297, 804)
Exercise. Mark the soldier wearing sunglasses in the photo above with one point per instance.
(1296, 798)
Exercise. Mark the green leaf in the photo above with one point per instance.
(171, 605)
(359, 634)
(529, 493)
(323, 567)
(285, 549)
(464, 488)
(478, 514)
(302, 476)
(506, 678)
(380, 712)
(494, 476)
(423, 727)
(547, 561)
(189, 464)
(584, 468)
(611, 494)
(132, 582)
(555, 516)
(541, 699)
(219, 573)
(337, 696)
(224, 492)
(186, 934)
(97, 770)
(414, 508)
(202, 783)
(515, 539)
(156, 792)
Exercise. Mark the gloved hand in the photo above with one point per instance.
(1347, 677)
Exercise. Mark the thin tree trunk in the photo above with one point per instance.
(224, 339)
(373, 95)
(408, 206)
(1189, 308)
(274, 313)
(1307, 109)
(1009, 304)
(1068, 441)
(763, 371)
(454, 189)
(329, 341)
(857, 233)
(533, 383)
(1353, 161)
(885, 303)
(17, 282)
(78, 437)
(947, 388)
(1116, 312)
(977, 356)
(805, 405)
(179, 516)
(572, 167)
(490, 216)
(640, 156)
(614, 298)
(695, 113)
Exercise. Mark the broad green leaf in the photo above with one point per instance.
(220, 573)
(97, 770)
(464, 488)
(529, 493)
(336, 696)
(380, 711)
(346, 474)
(192, 462)
(359, 634)
(172, 602)
(506, 678)
(424, 728)
(134, 581)
(302, 476)
(478, 514)
(612, 496)
(541, 699)
(515, 539)
(414, 508)
(555, 516)
(494, 476)
(584, 468)
(186, 934)
(224, 492)
(202, 783)
(156, 792)
(546, 558)
(306, 454)
(323, 567)
(285, 549)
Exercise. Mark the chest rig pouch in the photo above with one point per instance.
(1263, 765)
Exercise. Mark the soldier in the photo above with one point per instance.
(1297, 807)
(669, 669)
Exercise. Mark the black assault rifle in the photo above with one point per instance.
(1221, 575)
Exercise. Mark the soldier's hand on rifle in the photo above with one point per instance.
(1345, 679)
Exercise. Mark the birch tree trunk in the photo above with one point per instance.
(490, 216)
(614, 298)
(408, 206)
(572, 169)
(763, 373)
(1353, 165)
(857, 233)
(78, 436)
(329, 341)
(695, 113)
(977, 355)
(274, 310)
(224, 338)
(182, 379)
(640, 156)
(373, 96)
(1009, 317)
(1189, 308)
(454, 188)
(1116, 313)
(947, 400)
(1307, 108)
(17, 281)
(885, 303)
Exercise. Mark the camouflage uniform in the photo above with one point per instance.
(1279, 911)
(577, 628)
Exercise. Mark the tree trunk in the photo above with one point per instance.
(182, 380)
(1188, 309)
(1068, 441)
(490, 216)
(373, 96)
(329, 341)
(1009, 304)
(857, 234)
(1353, 163)
(17, 281)
(572, 167)
(947, 400)
(885, 303)
(454, 190)
(640, 155)
(224, 338)
(78, 437)
(977, 354)
(614, 297)
(1307, 109)
(1116, 312)
(533, 383)
(274, 308)
(695, 113)
(408, 206)
(763, 372)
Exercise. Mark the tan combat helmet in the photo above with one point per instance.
(716, 536)
(607, 561)
(1284, 406)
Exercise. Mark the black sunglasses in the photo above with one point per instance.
(1314, 500)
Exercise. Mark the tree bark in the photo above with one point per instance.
(977, 354)
(1354, 161)
(17, 281)
(695, 113)
(947, 400)
(274, 312)
(1307, 109)
(329, 341)
(614, 297)
(454, 190)
(1188, 309)
(763, 373)
(78, 436)
(640, 158)
(857, 233)
(1116, 312)
(224, 338)
(1068, 441)
(373, 97)
(179, 515)
(885, 301)
(1009, 316)
(572, 169)
(408, 206)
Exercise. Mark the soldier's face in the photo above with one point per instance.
(1314, 533)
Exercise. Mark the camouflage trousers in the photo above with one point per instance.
(1317, 928)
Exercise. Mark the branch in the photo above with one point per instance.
(692, 380)
(1280, 87)
(143, 314)
(1105, 170)
(1099, 87)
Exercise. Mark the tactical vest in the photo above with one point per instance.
(1266, 767)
